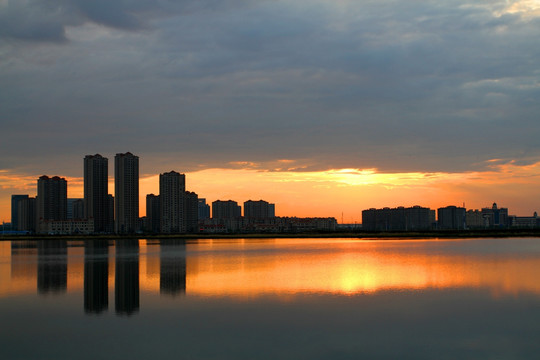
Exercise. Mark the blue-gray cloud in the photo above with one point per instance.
(36, 20)
(437, 85)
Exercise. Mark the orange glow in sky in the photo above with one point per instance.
(333, 192)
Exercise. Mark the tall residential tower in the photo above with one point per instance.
(51, 200)
(172, 188)
(96, 191)
(126, 186)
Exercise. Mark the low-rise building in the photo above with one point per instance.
(524, 222)
(474, 219)
(69, 227)
(495, 217)
(451, 218)
(398, 219)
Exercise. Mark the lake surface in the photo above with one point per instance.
(270, 299)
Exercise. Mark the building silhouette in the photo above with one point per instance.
(96, 191)
(474, 219)
(172, 189)
(26, 215)
(126, 186)
(228, 209)
(152, 213)
(191, 211)
(258, 209)
(15, 210)
(51, 200)
(398, 219)
(110, 204)
(495, 217)
(75, 209)
(204, 209)
(451, 218)
(524, 222)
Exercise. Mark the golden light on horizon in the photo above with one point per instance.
(335, 191)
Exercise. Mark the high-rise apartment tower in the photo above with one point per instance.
(172, 188)
(96, 190)
(51, 200)
(126, 198)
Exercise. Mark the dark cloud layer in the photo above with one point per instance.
(46, 20)
(401, 86)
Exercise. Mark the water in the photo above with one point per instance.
(270, 299)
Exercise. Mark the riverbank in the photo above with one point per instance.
(344, 234)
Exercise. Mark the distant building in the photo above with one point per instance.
(474, 219)
(75, 208)
(451, 218)
(258, 209)
(267, 225)
(172, 188)
(299, 225)
(110, 202)
(524, 222)
(69, 213)
(495, 217)
(191, 211)
(398, 219)
(153, 213)
(51, 201)
(26, 215)
(69, 227)
(14, 210)
(126, 186)
(228, 209)
(204, 209)
(78, 209)
(96, 191)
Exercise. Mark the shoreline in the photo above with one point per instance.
(506, 233)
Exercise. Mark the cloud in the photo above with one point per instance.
(35, 20)
(398, 86)
(31, 20)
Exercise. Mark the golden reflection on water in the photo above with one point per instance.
(284, 267)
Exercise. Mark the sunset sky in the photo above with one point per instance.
(322, 107)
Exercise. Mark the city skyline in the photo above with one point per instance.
(334, 106)
(150, 185)
(285, 178)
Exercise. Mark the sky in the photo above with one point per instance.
(325, 108)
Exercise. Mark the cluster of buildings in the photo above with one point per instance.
(173, 211)
(419, 218)
(176, 210)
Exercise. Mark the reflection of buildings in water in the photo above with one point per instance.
(96, 276)
(172, 279)
(23, 266)
(52, 266)
(127, 277)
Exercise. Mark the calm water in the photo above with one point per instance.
(270, 299)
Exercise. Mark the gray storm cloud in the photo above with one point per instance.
(400, 86)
